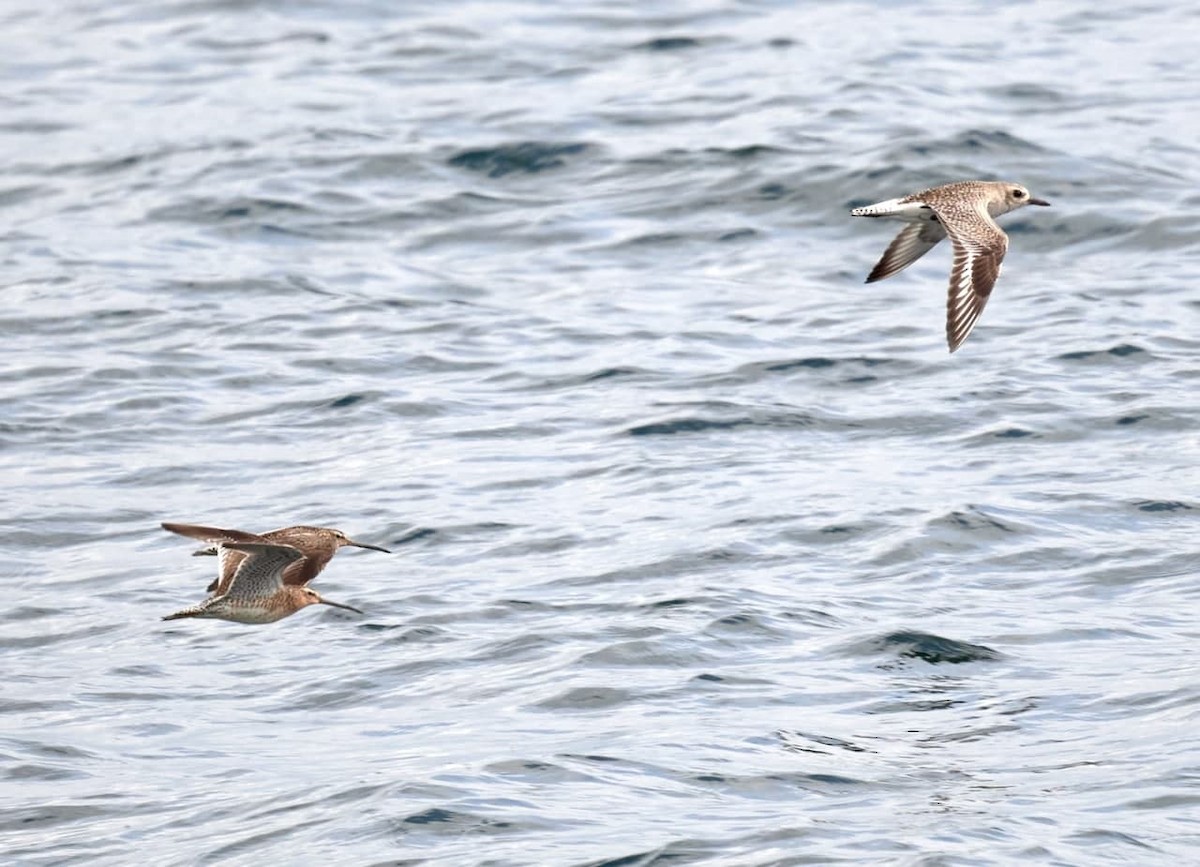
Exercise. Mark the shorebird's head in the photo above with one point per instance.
(312, 597)
(1010, 197)
(341, 540)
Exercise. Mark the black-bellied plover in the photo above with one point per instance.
(257, 593)
(965, 212)
(317, 544)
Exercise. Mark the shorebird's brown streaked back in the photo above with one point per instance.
(257, 594)
(964, 212)
(317, 546)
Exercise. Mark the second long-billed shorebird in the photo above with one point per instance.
(257, 592)
(965, 213)
(317, 545)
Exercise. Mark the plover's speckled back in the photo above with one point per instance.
(963, 211)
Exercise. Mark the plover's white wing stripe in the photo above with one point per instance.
(913, 242)
(978, 254)
(261, 572)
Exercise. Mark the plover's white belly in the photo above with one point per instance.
(897, 209)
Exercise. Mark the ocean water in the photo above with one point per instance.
(705, 552)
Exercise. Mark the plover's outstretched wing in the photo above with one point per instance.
(913, 242)
(979, 248)
(260, 573)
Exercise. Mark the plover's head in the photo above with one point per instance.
(1009, 197)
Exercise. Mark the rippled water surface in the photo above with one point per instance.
(705, 552)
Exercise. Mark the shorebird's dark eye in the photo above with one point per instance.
(1018, 194)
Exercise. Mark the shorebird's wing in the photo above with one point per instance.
(913, 242)
(261, 571)
(315, 543)
(229, 559)
(306, 570)
(211, 534)
(979, 248)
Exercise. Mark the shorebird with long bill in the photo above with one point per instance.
(256, 593)
(317, 546)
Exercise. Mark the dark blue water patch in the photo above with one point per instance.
(609, 373)
(21, 194)
(416, 534)
(123, 315)
(975, 142)
(1026, 92)
(693, 424)
(668, 43)
(1103, 836)
(248, 207)
(575, 380)
(1121, 350)
(420, 635)
(348, 400)
(684, 425)
(240, 210)
(852, 368)
(744, 629)
(640, 859)
(1132, 419)
(790, 742)
(669, 603)
(971, 519)
(49, 815)
(593, 757)
(527, 605)
(737, 235)
(46, 773)
(1163, 506)
(747, 152)
(523, 157)
(807, 782)
(588, 698)
(466, 821)
(811, 363)
(934, 649)
(810, 617)
(771, 192)
(1013, 433)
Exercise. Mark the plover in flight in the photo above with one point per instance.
(965, 211)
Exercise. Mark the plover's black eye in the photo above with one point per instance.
(1018, 194)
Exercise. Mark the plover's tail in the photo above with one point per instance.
(888, 208)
